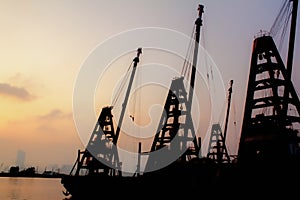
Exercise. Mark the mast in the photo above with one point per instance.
(289, 64)
(124, 105)
(228, 108)
(217, 149)
(175, 132)
(198, 24)
(100, 156)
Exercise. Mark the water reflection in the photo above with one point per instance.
(15, 188)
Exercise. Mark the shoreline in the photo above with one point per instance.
(6, 174)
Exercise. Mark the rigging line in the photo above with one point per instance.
(186, 63)
(284, 30)
(234, 112)
(139, 107)
(221, 114)
(208, 66)
(281, 22)
(132, 115)
(189, 66)
(276, 25)
(122, 85)
(135, 96)
(209, 71)
(205, 57)
(124, 80)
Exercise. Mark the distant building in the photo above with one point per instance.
(20, 161)
(14, 170)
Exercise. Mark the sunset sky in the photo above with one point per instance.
(44, 45)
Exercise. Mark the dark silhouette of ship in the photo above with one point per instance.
(268, 158)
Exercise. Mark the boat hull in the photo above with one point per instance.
(192, 181)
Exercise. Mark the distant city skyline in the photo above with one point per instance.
(21, 158)
(21, 163)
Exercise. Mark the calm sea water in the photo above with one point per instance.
(15, 188)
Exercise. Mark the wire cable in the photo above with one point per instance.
(122, 85)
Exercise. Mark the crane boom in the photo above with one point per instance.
(124, 105)
(198, 23)
(228, 108)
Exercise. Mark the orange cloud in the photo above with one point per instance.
(15, 92)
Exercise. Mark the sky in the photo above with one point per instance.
(45, 46)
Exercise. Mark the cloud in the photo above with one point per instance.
(55, 121)
(16, 92)
(54, 114)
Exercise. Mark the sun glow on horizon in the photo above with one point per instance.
(46, 43)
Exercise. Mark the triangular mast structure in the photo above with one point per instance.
(272, 107)
(217, 149)
(176, 131)
(101, 154)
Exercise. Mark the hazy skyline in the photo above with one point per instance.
(45, 43)
(20, 159)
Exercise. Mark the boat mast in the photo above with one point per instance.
(290, 56)
(228, 108)
(268, 131)
(198, 24)
(217, 149)
(124, 105)
(177, 119)
(289, 65)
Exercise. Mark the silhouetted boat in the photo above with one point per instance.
(268, 160)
